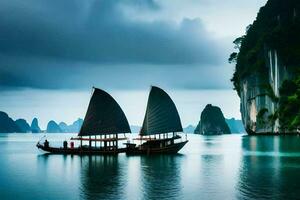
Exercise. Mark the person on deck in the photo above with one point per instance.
(65, 144)
(46, 143)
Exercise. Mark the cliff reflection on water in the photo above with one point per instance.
(209, 167)
(270, 167)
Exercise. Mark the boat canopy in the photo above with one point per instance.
(161, 114)
(103, 116)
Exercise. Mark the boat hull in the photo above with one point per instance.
(170, 149)
(80, 151)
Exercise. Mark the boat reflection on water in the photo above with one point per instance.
(268, 164)
(161, 177)
(141, 178)
(101, 178)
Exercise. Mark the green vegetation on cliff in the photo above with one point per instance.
(277, 27)
(289, 104)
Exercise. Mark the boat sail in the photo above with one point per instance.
(161, 118)
(104, 116)
(104, 120)
(161, 114)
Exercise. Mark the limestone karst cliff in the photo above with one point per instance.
(35, 126)
(267, 75)
(72, 128)
(212, 122)
(8, 125)
(23, 126)
(53, 127)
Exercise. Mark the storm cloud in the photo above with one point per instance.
(74, 44)
(99, 31)
(53, 51)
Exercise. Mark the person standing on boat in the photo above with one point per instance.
(65, 144)
(46, 143)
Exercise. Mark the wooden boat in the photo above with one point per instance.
(103, 123)
(160, 127)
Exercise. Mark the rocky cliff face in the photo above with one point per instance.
(35, 126)
(23, 126)
(267, 75)
(53, 127)
(7, 125)
(260, 96)
(212, 122)
(73, 128)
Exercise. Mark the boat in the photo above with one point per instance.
(103, 123)
(161, 127)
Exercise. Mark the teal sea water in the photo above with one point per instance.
(215, 167)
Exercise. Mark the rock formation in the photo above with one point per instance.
(189, 129)
(267, 76)
(7, 125)
(53, 127)
(23, 126)
(35, 126)
(73, 128)
(235, 126)
(63, 126)
(212, 122)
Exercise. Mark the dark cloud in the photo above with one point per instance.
(52, 43)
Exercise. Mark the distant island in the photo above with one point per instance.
(53, 127)
(23, 126)
(267, 76)
(235, 126)
(35, 126)
(8, 125)
(212, 122)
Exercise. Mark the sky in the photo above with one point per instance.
(53, 51)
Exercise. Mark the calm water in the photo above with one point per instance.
(216, 167)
